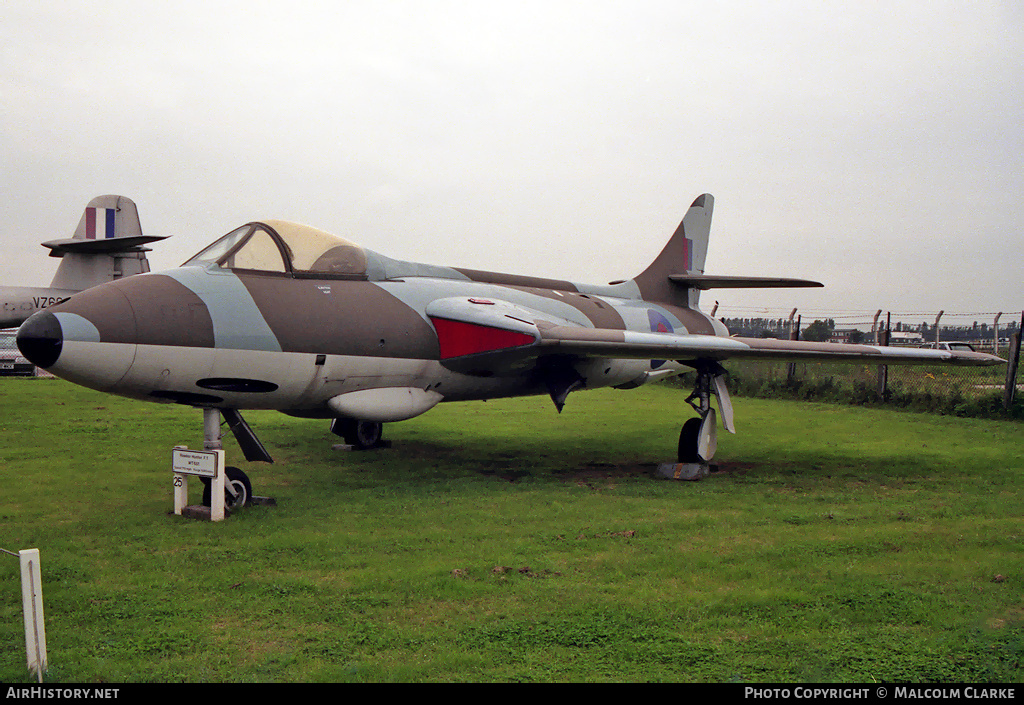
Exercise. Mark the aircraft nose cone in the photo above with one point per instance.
(41, 339)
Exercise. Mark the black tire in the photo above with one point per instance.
(365, 434)
(688, 439)
(237, 489)
(361, 435)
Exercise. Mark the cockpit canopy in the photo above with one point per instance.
(287, 248)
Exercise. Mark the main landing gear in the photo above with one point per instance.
(361, 435)
(698, 439)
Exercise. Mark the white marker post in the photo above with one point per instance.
(32, 607)
(204, 463)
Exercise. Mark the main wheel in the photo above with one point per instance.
(367, 434)
(359, 434)
(688, 439)
(237, 489)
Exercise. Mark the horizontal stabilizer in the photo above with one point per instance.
(710, 281)
(58, 248)
(109, 224)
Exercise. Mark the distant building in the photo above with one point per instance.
(905, 338)
(847, 335)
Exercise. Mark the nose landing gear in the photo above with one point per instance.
(237, 487)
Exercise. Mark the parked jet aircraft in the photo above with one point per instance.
(107, 245)
(276, 315)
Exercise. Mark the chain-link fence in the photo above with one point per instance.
(967, 391)
(964, 391)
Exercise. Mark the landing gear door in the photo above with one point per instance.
(724, 403)
(707, 439)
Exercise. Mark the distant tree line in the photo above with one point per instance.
(758, 327)
(778, 328)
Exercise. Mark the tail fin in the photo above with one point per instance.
(684, 254)
(109, 218)
(107, 245)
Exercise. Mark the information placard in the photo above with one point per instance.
(194, 462)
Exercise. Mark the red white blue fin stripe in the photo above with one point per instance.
(99, 223)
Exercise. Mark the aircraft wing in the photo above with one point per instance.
(597, 342)
(489, 336)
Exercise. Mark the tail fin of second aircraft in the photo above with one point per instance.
(684, 254)
(109, 218)
(107, 245)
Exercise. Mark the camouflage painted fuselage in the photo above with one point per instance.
(244, 339)
(276, 315)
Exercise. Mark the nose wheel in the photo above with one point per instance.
(237, 489)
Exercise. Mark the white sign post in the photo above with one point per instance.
(32, 606)
(204, 463)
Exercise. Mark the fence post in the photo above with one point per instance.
(793, 335)
(883, 370)
(1011, 368)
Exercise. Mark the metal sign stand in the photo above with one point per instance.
(204, 463)
(208, 463)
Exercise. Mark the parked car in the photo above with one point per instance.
(965, 347)
(11, 360)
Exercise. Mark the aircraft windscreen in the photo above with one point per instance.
(212, 253)
(258, 251)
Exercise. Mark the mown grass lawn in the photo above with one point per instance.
(502, 541)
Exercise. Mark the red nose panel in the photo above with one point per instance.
(457, 338)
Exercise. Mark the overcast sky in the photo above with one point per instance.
(876, 147)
